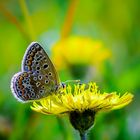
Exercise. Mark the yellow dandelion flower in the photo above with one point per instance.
(81, 103)
(82, 97)
(79, 50)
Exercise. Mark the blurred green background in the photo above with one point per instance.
(114, 24)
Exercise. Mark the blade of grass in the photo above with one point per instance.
(28, 19)
(69, 19)
(13, 19)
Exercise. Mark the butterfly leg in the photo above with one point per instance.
(63, 85)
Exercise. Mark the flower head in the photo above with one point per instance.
(81, 103)
(72, 49)
(80, 98)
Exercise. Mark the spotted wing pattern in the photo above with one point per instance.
(38, 77)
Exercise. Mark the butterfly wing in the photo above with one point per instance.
(37, 61)
(38, 78)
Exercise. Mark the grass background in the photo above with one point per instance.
(116, 24)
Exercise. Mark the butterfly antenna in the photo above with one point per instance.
(72, 81)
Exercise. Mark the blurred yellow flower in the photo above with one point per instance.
(81, 98)
(79, 50)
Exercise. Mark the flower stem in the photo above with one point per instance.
(83, 136)
(69, 18)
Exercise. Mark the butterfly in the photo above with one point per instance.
(38, 77)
